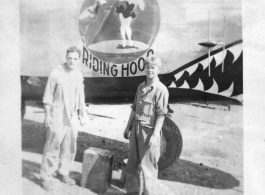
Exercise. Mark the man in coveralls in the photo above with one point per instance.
(146, 119)
(64, 103)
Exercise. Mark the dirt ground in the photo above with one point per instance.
(211, 161)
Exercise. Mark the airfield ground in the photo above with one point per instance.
(211, 161)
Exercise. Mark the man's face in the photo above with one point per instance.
(101, 2)
(151, 71)
(72, 59)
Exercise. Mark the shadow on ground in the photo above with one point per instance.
(30, 170)
(34, 136)
(33, 140)
(198, 174)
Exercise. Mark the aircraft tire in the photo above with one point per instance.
(171, 144)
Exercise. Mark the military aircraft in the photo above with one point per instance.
(199, 42)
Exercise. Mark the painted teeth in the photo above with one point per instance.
(219, 58)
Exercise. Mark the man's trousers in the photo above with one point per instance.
(60, 149)
(142, 162)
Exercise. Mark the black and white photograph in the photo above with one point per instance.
(137, 97)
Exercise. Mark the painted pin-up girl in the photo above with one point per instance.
(126, 15)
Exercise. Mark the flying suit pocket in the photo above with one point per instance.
(148, 106)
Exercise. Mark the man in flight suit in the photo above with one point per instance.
(64, 103)
(146, 119)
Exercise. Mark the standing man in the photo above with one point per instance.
(64, 103)
(146, 119)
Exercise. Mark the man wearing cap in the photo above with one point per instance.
(64, 103)
(145, 122)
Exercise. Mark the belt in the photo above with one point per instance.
(144, 120)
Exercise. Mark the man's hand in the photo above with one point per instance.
(47, 120)
(126, 133)
(82, 121)
(154, 139)
(129, 125)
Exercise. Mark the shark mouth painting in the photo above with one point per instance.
(226, 73)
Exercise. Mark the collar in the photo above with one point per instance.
(151, 87)
(154, 81)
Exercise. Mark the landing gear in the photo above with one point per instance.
(171, 144)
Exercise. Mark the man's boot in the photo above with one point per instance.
(48, 184)
(66, 179)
